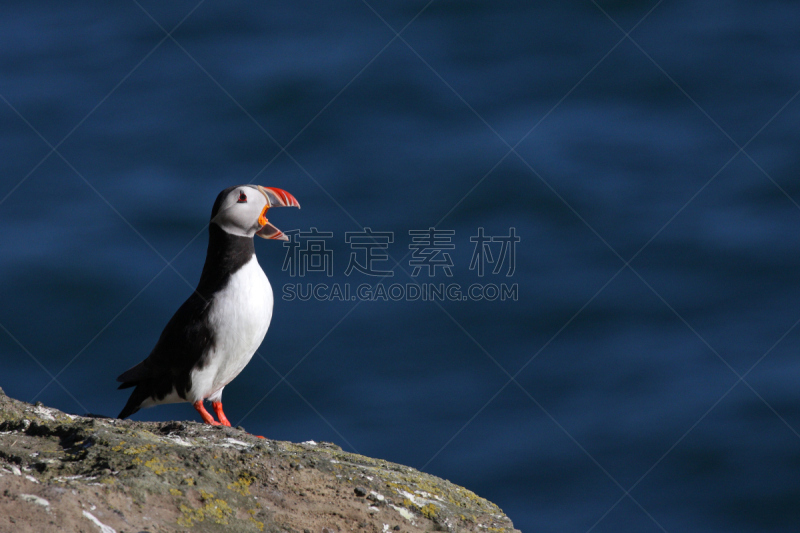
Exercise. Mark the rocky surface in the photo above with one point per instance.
(60, 472)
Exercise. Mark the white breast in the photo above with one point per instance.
(239, 316)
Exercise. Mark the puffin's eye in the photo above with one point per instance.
(242, 198)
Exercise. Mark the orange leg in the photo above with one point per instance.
(218, 409)
(207, 418)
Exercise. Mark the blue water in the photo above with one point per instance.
(657, 263)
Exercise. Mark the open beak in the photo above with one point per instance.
(275, 198)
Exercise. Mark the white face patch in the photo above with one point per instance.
(239, 212)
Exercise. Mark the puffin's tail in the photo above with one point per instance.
(127, 411)
(134, 402)
(136, 376)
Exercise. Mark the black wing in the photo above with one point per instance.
(183, 345)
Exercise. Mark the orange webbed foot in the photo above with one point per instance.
(205, 415)
(217, 406)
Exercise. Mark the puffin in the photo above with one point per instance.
(214, 334)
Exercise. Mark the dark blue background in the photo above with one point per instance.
(653, 183)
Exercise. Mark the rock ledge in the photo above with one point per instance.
(60, 472)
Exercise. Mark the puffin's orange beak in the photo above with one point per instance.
(275, 198)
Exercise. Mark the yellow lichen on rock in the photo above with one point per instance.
(135, 450)
(215, 509)
(189, 516)
(429, 511)
(242, 485)
(252, 516)
(157, 466)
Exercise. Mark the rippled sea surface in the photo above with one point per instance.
(641, 373)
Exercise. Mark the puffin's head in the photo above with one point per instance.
(242, 210)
